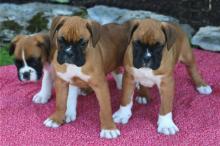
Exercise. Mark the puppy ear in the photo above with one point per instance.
(130, 27)
(94, 29)
(43, 41)
(57, 23)
(170, 34)
(13, 44)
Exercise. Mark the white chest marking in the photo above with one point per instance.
(146, 77)
(73, 71)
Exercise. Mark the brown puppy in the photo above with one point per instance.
(84, 52)
(150, 59)
(31, 53)
(32, 57)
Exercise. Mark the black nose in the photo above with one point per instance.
(146, 58)
(68, 52)
(26, 75)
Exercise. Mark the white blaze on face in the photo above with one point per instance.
(146, 77)
(73, 71)
(68, 49)
(26, 72)
(148, 53)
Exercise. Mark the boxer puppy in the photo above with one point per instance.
(31, 53)
(154, 49)
(83, 53)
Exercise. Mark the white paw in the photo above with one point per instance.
(166, 125)
(141, 100)
(123, 114)
(41, 98)
(50, 123)
(204, 89)
(109, 134)
(70, 116)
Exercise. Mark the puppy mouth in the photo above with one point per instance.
(153, 66)
(148, 64)
(61, 59)
(29, 74)
(33, 78)
(70, 59)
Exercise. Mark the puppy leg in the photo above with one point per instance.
(57, 118)
(188, 59)
(124, 113)
(46, 88)
(71, 103)
(165, 121)
(108, 128)
(117, 75)
(143, 96)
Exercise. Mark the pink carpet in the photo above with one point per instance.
(197, 116)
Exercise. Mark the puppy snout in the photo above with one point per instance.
(147, 57)
(68, 52)
(26, 75)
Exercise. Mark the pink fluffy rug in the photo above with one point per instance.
(197, 116)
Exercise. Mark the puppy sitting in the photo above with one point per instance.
(83, 53)
(31, 53)
(155, 47)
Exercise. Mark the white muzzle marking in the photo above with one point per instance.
(28, 70)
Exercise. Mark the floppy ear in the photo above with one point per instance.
(57, 23)
(170, 34)
(13, 44)
(130, 27)
(43, 41)
(94, 29)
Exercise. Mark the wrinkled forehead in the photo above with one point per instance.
(27, 48)
(74, 30)
(150, 33)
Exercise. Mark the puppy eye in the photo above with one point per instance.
(61, 40)
(33, 61)
(158, 45)
(18, 63)
(137, 44)
(83, 43)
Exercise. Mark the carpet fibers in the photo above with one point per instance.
(197, 116)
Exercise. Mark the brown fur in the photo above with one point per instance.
(37, 45)
(177, 48)
(105, 50)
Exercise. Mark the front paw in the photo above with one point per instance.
(166, 125)
(70, 116)
(51, 123)
(141, 100)
(204, 89)
(122, 115)
(41, 98)
(109, 134)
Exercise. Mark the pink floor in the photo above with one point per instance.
(197, 116)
